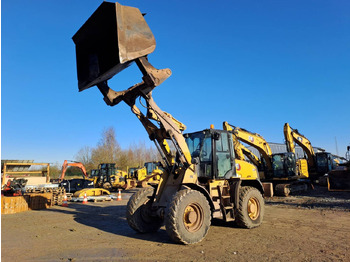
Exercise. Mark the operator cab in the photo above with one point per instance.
(213, 151)
(284, 165)
(150, 166)
(324, 162)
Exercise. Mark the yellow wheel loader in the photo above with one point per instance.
(107, 176)
(201, 179)
(149, 173)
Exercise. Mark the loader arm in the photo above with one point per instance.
(161, 128)
(168, 127)
(113, 38)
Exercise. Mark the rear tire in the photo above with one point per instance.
(138, 212)
(189, 217)
(250, 211)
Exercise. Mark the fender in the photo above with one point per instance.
(202, 190)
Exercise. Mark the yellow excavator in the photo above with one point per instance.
(283, 170)
(200, 179)
(318, 163)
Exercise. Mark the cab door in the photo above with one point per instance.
(224, 159)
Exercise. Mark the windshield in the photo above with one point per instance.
(321, 159)
(94, 172)
(194, 142)
(283, 165)
(199, 145)
(132, 170)
(277, 162)
(150, 166)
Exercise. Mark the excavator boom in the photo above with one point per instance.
(255, 140)
(292, 135)
(240, 150)
(66, 164)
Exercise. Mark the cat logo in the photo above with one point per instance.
(251, 139)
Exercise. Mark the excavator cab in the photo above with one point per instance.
(284, 165)
(324, 162)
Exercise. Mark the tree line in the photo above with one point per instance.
(108, 150)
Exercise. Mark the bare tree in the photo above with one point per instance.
(108, 150)
(84, 156)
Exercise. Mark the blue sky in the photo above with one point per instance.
(256, 64)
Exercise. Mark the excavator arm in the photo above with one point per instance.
(240, 150)
(255, 140)
(292, 135)
(66, 164)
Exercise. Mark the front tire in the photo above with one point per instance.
(189, 217)
(107, 185)
(250, 212)
(138, 212)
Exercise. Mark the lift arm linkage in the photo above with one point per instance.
(169, 128)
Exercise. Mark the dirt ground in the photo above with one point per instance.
(312, 227)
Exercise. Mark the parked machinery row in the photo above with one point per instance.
(109, 177)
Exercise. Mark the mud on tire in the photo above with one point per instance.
(188, 218)
(250, 211)
(138, 212)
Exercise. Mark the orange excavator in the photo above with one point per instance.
(75, 184)
(67, 164)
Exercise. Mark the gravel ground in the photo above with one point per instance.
(312, 227)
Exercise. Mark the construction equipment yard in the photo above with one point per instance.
(212, 193)
(313, 227)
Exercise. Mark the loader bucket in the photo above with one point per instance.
(339, 180)
(109, 41)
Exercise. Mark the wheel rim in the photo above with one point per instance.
(193, 217)
(107, 185)
(253, 208)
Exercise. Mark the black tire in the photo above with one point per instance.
(188, 218)
(138, 212)
(250, 211)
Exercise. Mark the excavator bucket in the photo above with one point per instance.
(109, 41)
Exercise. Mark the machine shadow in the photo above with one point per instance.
(110, 219)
